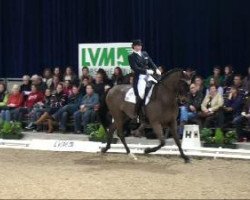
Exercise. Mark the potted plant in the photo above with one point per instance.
(97, 132)
(218, 139)
(10, 130)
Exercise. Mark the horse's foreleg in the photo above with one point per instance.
(109, 139)
(122, 138)
(173, 129)
(159, 132)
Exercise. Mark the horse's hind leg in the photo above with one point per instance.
(173, 129)
(159, 132)
(109, 138)
(121, 135)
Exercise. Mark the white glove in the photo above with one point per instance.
(150, 72)
(158, 72)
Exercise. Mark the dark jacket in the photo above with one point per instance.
(58, 100)
(195, 100)
(235, 103)
(140, 64)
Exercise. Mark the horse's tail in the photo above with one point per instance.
(104, 117)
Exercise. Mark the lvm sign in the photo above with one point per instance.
(104, 55)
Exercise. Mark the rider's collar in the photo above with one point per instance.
(138, 52)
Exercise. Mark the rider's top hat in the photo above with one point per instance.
(137, 42)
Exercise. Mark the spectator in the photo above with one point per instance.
(58, 100)
(83, 84)
(216, 75)
(210, 108)
(105, 77)
(228, 76)
(99, 85)
(232, 106)
(193, 106)
(243, 118)
(82, 116)
(162, 70)
(237, 82)
(117, 77)
(219, 88)
(72, 106)
(246, 82)
(15, 101)
(47, 77)
(199, 83)
(34, 97)
(55, 82)
(67, 89)
(3, 96)
(85, 74)
(37, 80)
(57, 72)
(190, 74)
(26, 86)
(70, 75)
(38, 109)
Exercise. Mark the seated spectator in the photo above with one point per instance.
(85, 74)
(237, 83)
(129, 78)
(57, 72)
(38, 109)
(34, 97)
(70, 76)
(190, 74)
(117, 77)
(99, 85)
(105, 77)
(228, 76)
(190, 110)
(67, 88)
(38, 81)
(83, 85)
(241, 120)
(216, 75)
(15, 101)
(210, 107)
(82, 116)
(26, 86)
(57, 101)
(162, 70)
(72, 106)
(55, 82)
(3, 96)
(219, 88)
(232, 106)
(199, 84)
(47, 77)
(246, 82)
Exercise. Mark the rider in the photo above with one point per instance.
(143, 67)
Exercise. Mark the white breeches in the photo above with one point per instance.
(142, 83)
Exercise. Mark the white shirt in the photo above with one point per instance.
(138, 52)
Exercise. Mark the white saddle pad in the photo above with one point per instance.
(130, 96)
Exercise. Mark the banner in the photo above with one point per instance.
(104, 55)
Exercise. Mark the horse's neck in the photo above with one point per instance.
(168, 88)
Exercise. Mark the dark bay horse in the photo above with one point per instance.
(161, 111)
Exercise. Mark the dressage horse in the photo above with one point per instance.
(161, 111)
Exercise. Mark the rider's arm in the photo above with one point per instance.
(150, 62)
(133, 64)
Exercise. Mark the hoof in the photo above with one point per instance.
(187, 160)
(147, 151)
(104, 150)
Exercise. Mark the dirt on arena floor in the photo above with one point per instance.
(42, 174)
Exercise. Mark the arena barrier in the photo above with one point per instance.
(94, 147)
